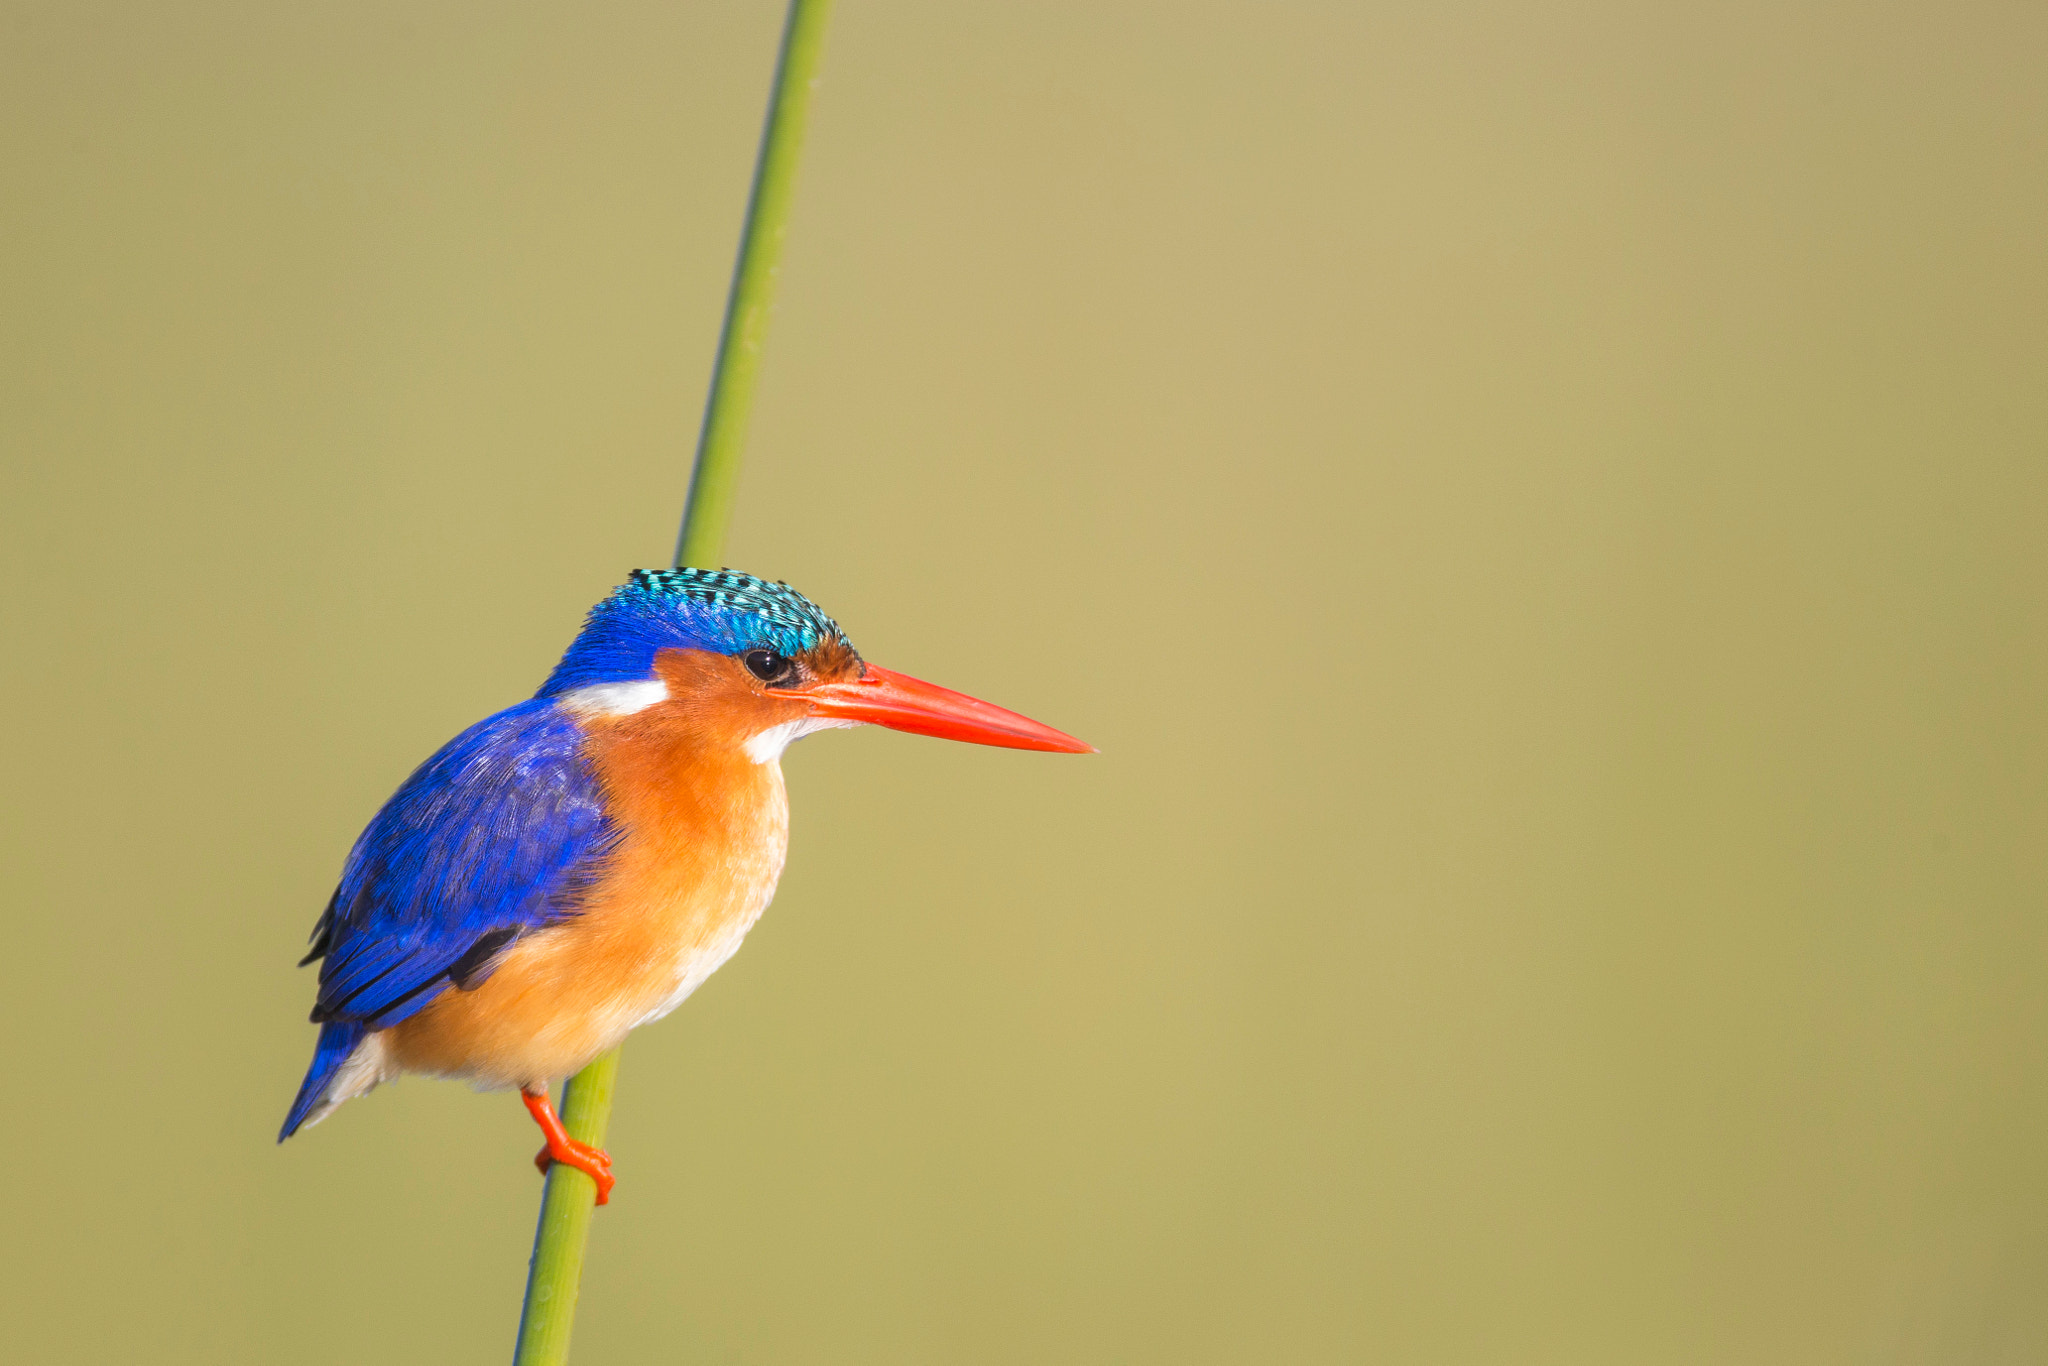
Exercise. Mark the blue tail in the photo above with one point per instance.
(338, 1039)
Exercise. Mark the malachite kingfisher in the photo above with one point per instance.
(576, 865)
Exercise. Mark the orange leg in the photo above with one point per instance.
(594, 1163)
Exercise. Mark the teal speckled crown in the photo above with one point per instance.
(796, 621)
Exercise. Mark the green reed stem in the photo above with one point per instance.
(715, 476)
(555, 1276)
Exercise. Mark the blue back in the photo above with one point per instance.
(494, 835)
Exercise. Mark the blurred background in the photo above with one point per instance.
(1543, 510)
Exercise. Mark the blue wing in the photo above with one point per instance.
(498, 834)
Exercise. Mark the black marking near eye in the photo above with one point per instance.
(769, 666)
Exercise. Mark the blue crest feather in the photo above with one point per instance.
(721, 610)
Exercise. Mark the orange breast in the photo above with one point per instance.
(705, 830)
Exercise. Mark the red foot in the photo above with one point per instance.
(594, 1163)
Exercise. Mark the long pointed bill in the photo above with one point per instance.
(881, 697)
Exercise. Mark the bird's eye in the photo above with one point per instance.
(769, 667)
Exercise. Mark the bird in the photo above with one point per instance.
(574, 866)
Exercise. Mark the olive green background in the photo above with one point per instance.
(1543, 509)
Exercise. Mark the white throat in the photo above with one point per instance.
(766, 746)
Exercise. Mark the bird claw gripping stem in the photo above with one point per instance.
(594, 1163)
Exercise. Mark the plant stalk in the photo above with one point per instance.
(554, 1278)
(715, 476)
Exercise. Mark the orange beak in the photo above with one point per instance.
(881, 697)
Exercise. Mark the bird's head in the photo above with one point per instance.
(755, 665)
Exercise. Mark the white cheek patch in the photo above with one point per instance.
(766, 747)
(614, 699)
